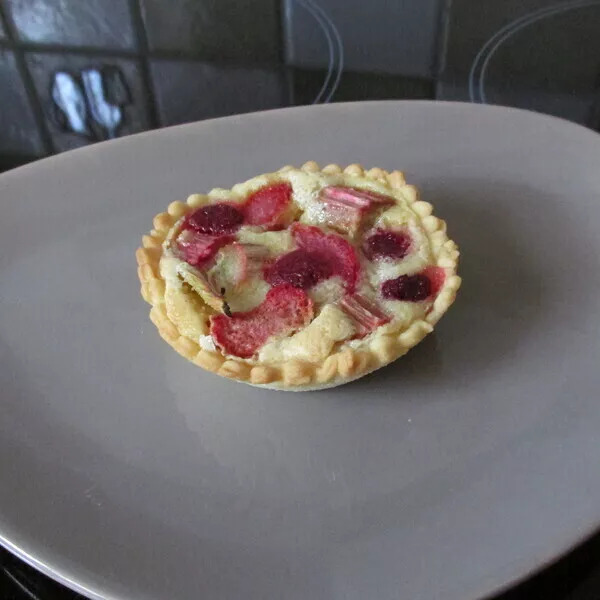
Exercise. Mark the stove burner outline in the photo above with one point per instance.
(482, 59)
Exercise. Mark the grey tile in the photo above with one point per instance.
(190, 91)
(549, 62)
(471, 25)
(389, 37)
(359, 86)
(102, 23)
(18, 131)
(122, 86)
(561, 47)
(574, 107)
(561, 52)
(244, 30)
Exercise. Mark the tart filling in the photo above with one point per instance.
(299, 279)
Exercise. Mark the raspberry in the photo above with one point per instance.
(268, 205)
(216, 219)
(437, 276)
(386, 244)
(410, 288)
(300, 268)
(331, 250)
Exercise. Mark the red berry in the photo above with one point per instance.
(410, 288)
(284, 310)
(300, 268)
(216, 219)
(386, 244)
(331, 250)
(267, 205)
(437, 276)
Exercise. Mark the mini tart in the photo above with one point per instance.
(301, 279)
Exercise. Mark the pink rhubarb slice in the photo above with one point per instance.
(237, 262)
(197, 248)
(356, 198)
(345, 207)
(284, 310)
(366, 314)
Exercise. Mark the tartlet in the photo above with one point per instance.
(300, 279)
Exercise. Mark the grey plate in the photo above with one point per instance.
(129, 473)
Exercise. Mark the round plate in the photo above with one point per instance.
(128, 472)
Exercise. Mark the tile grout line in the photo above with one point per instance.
(53, 48)
(441, 44)
(141, 37)
(28, 83)
(56, 48)
(593, 117)
(281, 18)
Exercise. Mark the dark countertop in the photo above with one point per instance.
(163, 62)
(573, 577)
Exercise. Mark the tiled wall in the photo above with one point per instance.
(163, 62)
(76, 71)
(543, 55)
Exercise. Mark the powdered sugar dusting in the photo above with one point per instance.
(207, 343)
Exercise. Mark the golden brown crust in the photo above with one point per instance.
(296, 375)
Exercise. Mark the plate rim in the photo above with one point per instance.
(76, 583)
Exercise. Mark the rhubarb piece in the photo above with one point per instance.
(345, 207)
(341, 215)
(331, 250)
(409, 288)
(216, 219)
(197, 248)
(275, 242)
(204, 285)
(237, 262)
(363, 199)
(386, 244)
(366, 314)
(284, 310)
(343, 218)
(268, 206)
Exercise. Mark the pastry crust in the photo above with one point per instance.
(180, 314)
